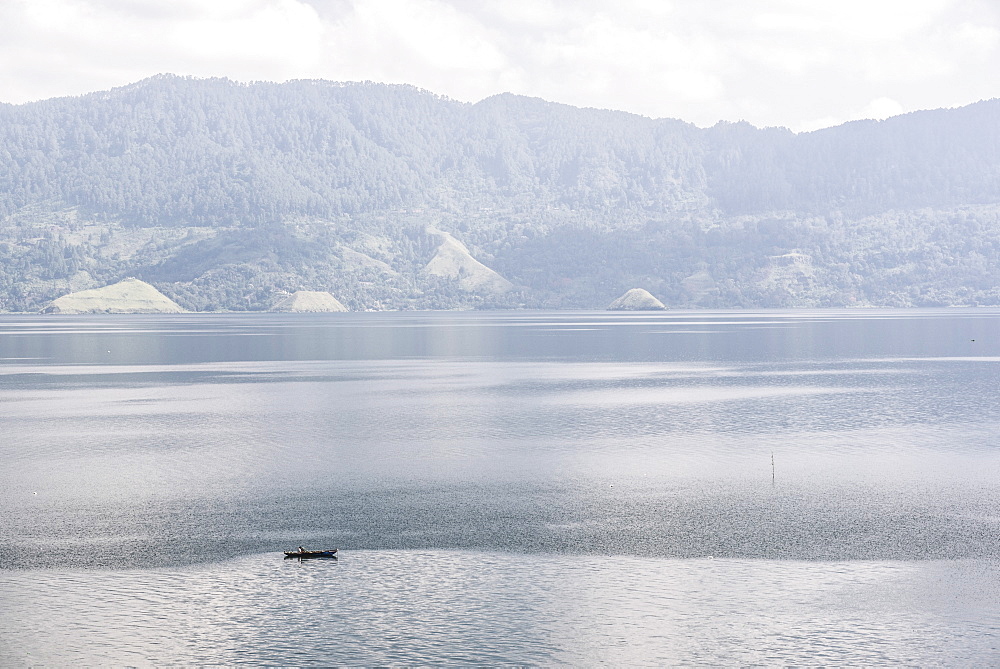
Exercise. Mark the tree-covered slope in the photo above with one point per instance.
(228, 196)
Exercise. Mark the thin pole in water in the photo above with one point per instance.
(772, 469)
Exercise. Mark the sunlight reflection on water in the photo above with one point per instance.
(484, 468)
(434, 607)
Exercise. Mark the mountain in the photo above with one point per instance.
(225, 196)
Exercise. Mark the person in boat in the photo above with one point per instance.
(301, 549)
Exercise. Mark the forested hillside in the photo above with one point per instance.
(228, 196)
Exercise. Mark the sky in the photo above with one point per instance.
(801, 64)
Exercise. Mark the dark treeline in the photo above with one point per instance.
(224, 195)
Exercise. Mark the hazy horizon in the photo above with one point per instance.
(498, 94)
(772, 63)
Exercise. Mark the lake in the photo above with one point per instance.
(699, 487)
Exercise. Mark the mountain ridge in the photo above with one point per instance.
(224, 195)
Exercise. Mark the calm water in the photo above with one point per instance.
(682, 487)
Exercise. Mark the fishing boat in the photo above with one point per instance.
(310, 554)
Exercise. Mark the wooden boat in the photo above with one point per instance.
(311, 554)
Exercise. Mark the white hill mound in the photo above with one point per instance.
(453, 261)
(130, 296)
(309, 300)
(636, 299)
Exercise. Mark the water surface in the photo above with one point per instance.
(836, 470)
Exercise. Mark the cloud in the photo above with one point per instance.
(771, 62)
(878, 109)
(881, 108)
(412, 36)
(53, 47)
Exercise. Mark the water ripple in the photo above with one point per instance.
(446, 607)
